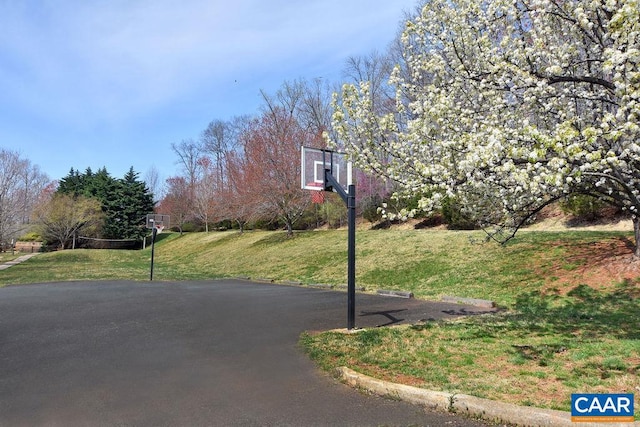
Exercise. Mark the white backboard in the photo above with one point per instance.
(315, 161)
(156, 220)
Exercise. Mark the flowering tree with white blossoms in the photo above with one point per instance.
(507, 106)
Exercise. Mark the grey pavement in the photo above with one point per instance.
(219, 353)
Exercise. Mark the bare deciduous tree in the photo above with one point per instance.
(177, 202)
(20, 186)
(152, 179)
(240, 203)
(272, 152)
(189, 153)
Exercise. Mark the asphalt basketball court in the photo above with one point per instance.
(189, 353)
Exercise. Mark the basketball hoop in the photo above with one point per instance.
(155, 222)
(325, 170)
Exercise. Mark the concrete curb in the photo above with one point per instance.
(263, 280)
(18, 260)
(290, 283)
(320, 285)
(397, 294)
(467, 405)
(469, 301)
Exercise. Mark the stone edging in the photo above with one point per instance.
(466, 405)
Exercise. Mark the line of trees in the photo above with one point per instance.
(94, 206)
(90, 205)
(125, 202)
(247, 170)
(482, 113)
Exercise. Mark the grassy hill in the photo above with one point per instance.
(429, 263)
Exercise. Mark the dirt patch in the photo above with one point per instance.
(395, 377)
(552, 218)
(600, 265)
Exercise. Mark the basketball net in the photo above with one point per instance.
(317, 196)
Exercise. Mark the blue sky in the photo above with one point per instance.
(92, 83)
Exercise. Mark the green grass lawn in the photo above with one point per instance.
(555, 335)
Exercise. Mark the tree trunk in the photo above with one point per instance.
(636, 232)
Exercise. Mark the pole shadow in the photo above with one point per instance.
(386, 313)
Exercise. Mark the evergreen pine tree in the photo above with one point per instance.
(125, 202)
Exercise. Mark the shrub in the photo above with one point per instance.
(455, 217)
(369, 206)
(30, 237)
(583, 207)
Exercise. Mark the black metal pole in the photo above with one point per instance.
(351, 258)
(154, 231)
(350, 200)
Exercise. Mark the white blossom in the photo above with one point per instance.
(507, 105)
